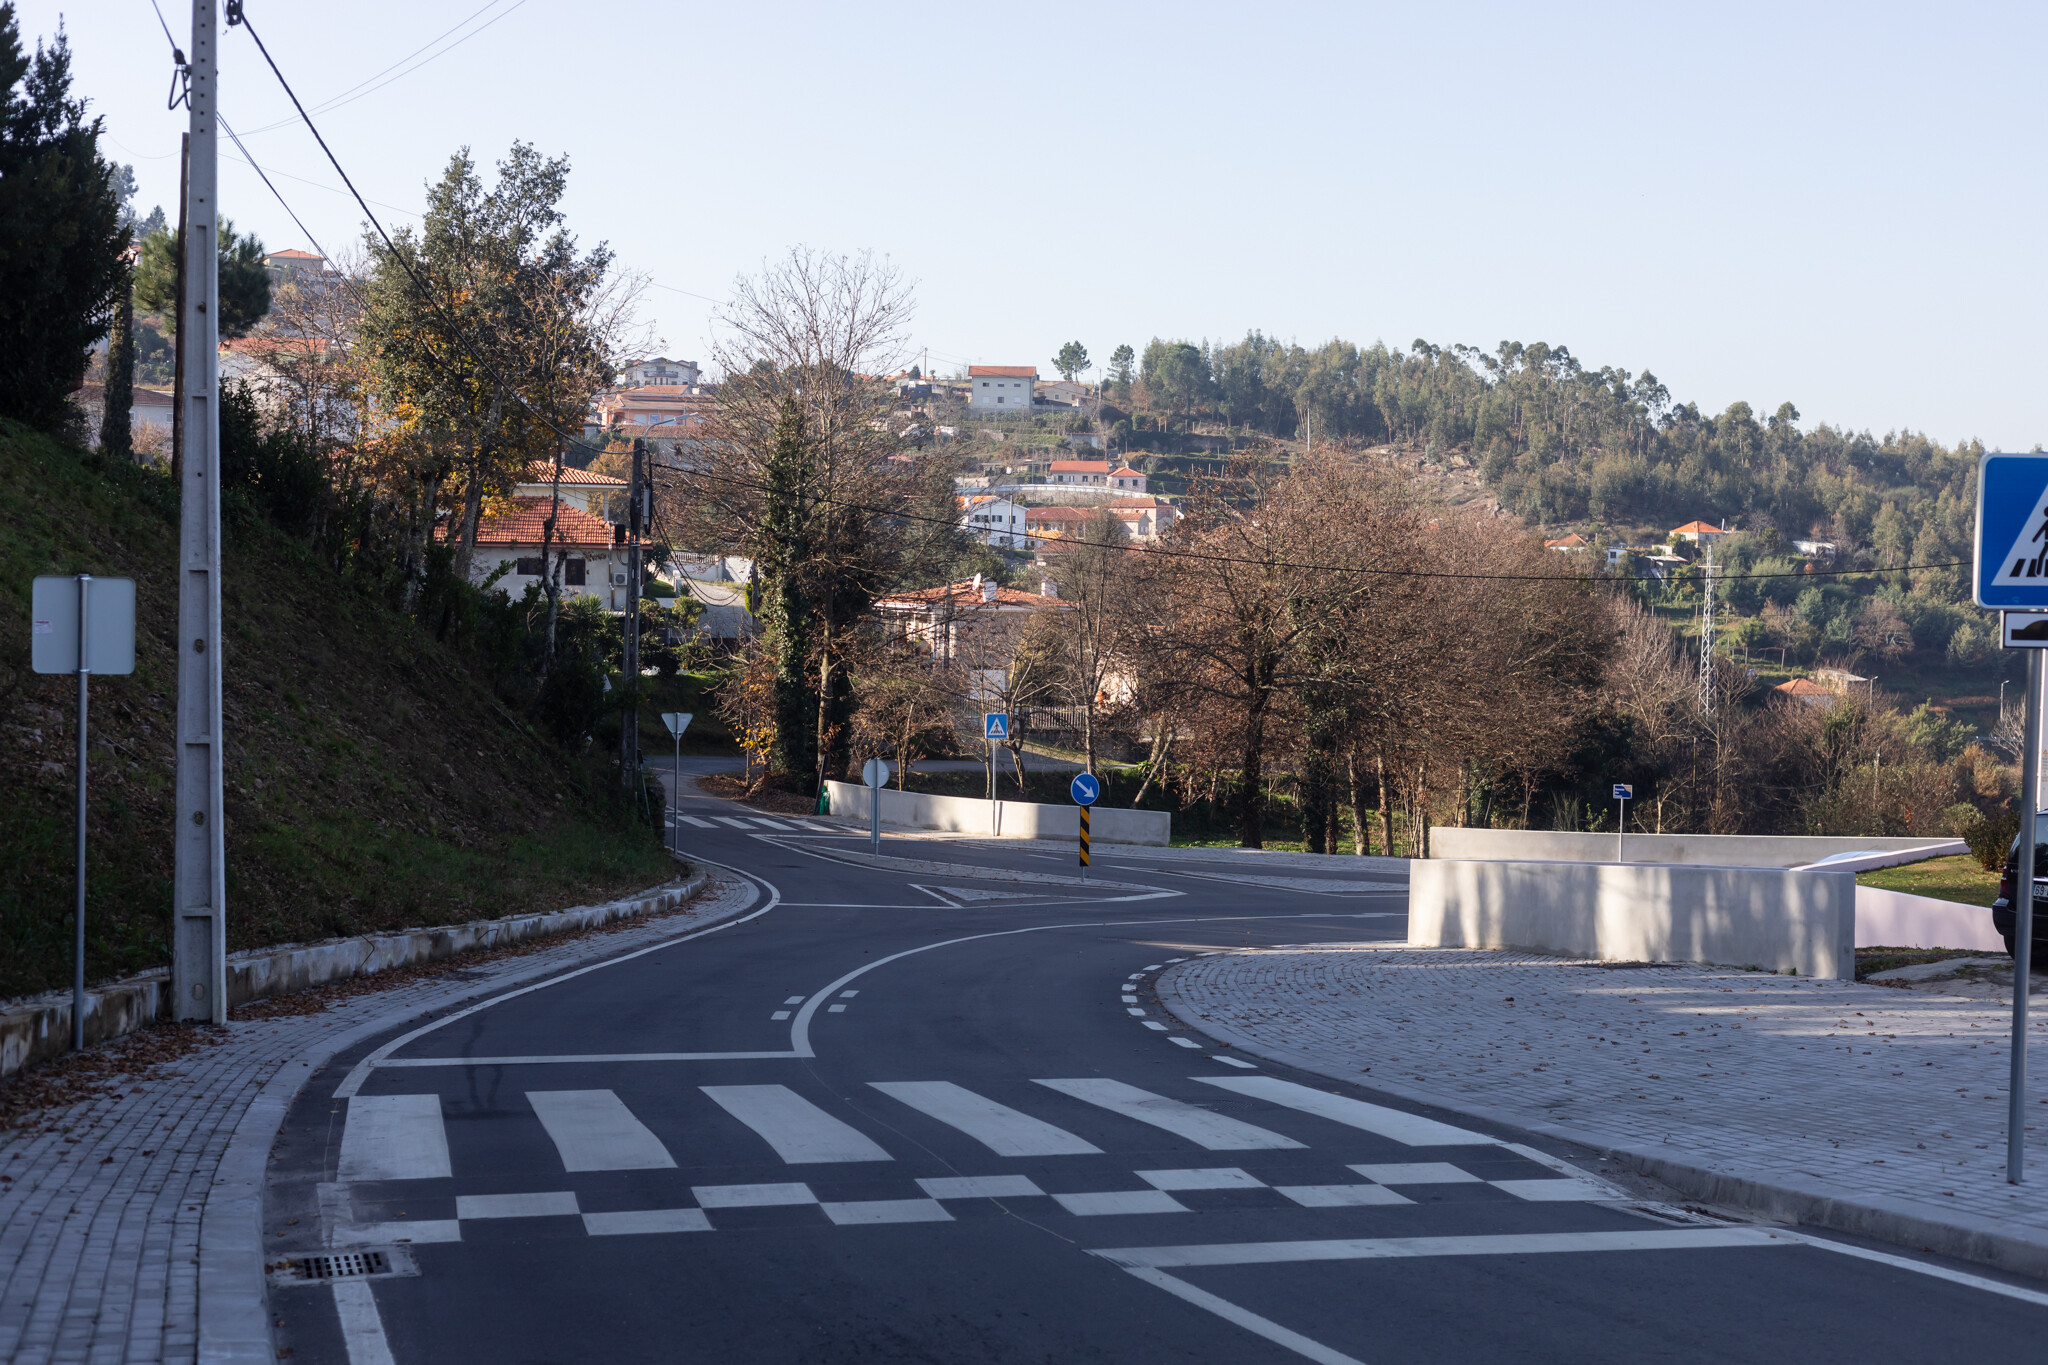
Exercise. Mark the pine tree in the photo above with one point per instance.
(120, 386)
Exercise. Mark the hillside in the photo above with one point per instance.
(372, 781)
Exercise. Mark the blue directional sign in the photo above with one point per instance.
(1623, 791)
(995, 725)
(2012, 532)
(1084, 789)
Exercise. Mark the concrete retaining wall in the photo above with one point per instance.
(1894, 919)
(1733, 916)
(1693, 850)
(40, 1027)
(1002, 819)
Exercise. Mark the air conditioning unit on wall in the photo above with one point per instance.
(618, 578)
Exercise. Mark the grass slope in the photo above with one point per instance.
(1944, 879)
(372, 783)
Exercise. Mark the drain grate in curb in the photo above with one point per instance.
(338, 1265)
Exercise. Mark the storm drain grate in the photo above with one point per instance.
(342, 1265)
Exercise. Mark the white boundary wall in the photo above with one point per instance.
(1002, 819)
(1624, 912)
(1895, 919)
(1694, 850)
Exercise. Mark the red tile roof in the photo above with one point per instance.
(292, 253)
(1128, 470)
(1802, 687)
(543, 471)
(1081, 467)
(1696, 527)
(965, 595)
(1002, 371)
(523, 525)
(1032, 514)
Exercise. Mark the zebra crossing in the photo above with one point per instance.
(750, 823)
(403, 1138)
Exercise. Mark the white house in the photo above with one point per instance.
(512, 539)
(660, 370)
(999, 390)
(581, 489)
(1699, 532)
(993, 520)
(1063, 391)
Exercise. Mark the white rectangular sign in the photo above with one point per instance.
(110, 625)
(2023, 629)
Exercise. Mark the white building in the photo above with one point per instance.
(512, 541)
(999, 390)
(581, 489)
(660, 370)
(994, 521)
(1097, 474)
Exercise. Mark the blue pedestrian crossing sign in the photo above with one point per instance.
(2012, 532)
(995, 725)
(1084, 789)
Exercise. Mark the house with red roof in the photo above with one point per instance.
(994, 520)
(510, 536)
(1000, 390)
(1699, 532)
(580, 488)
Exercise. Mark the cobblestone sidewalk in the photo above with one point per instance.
(104, 1205)
(1889, 1104)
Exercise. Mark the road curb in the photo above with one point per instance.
(233, 1301)
(1815, 1203)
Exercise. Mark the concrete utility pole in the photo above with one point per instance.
(629, 729)
(199, 878)
(1707, 637)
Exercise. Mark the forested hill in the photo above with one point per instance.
(1559, 442)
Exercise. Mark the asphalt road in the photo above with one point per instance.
(922, 1112)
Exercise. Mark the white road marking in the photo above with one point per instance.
(1340, 1196)
(835, 1009)
(1185, 1042)
(1410, 1129)
(1134, 1012)
(794, 1000)
(1137, 976)
(1564, 1168)
(776, 825)
(693, 820)
(734, 821)
(1112, 1202)
(1215, 1178)
(1550, 1191)
(645, 1220)
(1233, 1061)
(394, 1137)
(1418, 1173)
(362, 1330)
(1157, 965)
(586, 1058)
(1496, 1244)
(779, 1015)
(1001, 1129)
(872, 1211)
(799, 1131)
(1245, 1318)
(1176, 959)
(1130, 1000)
(751, 1196)
(1155, 1026)
(404, 1230)
(1213, 1131)
(553, 1204)
(594, 1131)
(981, 1187)
(848, 995)
(821, 829)
(1939, 1272)
(941, 898)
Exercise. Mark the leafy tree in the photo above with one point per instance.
(1177, 376)
(1071, 360)
(1122, 371)
(244, 280)
(119, 388)
(63, 270)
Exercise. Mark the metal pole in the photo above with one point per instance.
(1621, 833)
(2023, 932)
(675, 785)
(78, 942)
(199, 878)
(874, 819)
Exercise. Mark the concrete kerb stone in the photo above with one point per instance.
(234, 1319)
(1819, 1203)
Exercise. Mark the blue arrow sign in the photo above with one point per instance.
(995, 725)
(1623, 791)
(1084, 789)
(2012, 532)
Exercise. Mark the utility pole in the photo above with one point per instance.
(199, 876)
(1707, 637)
(629, 729)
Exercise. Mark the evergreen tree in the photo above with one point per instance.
(62, 272)
(244, 279)
(120, 385)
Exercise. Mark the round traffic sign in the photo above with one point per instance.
(1084, 789)
(875, 772)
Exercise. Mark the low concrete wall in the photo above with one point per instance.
(1894, 919)
(40, 1027)
(1002, 819)
(1691, 850)
(1622, 912)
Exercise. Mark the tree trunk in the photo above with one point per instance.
(1361, 836)
(472, 514)
(119, 390)
(1251, 801)
(1156, 763)
(1379, 762)
(551, 572)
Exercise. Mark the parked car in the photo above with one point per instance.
(2002, 917)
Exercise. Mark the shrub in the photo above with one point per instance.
(1990, 838)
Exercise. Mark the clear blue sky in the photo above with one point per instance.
(1821, 203)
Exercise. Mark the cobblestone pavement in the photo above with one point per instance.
(101, 1202)
(1800, 1083)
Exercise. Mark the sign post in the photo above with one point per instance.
(1622, 792)
(2012, 577)
(1085, 788)
(995, 725)
(677, 722)
(875, 772)
(82, 625)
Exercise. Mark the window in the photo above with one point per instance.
(572, 573)
(531, 568)
(999, 400)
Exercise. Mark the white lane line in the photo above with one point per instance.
(1157, 965)
(820, 829)
(734, 821)
(553, 1204)
(1213, 1178)
(1110, 1203)
(1495, 1244)
(1565, 1168)
(1001, 1129)
(1411, 1129)
(1185, 1042)
(1418, 1173)
(1130, 999)
(693, 820)
(394, 1137)
(1233, 1061)
(586, 1058)
(1155, 1026)
(751, 1196)
(776, 825)
(799, 1131)
(779, 1015)
(835, 1009)
(362, 1330)
(1213, 1131)
(1939, 1272)
(594, 1131)
(1245, 1318)
(634, 1221)
(871, 1211)
(794, 1000)
(848, 995)
(1134, 1013)
(938, 896)
(981, 1187)
(1340, 1196)
(1551, 1191)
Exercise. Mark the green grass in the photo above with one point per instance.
(1947, 879)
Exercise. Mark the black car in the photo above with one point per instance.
(2002, 917)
